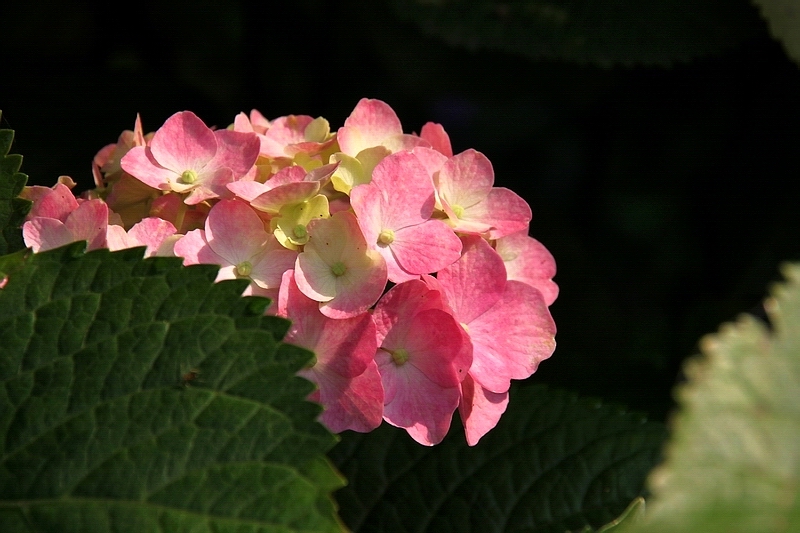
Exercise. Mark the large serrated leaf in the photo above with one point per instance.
(554, 463)
(733, 461)
(604, 33)
(12, 208)
(141, 396)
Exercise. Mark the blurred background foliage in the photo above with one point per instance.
(656, 141)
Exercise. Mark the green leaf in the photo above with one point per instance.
(142, 396)
(604, 33)
(733, 461)
(783, 17)
(12, 208)
(632, 515)
(554, 463)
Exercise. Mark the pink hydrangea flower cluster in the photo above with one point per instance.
(401, 266)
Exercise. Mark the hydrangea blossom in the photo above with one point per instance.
(401, 265)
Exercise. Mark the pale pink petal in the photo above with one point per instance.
(247, 190)
(314, 276)
(57, 202)
(118, 239)
(151, 232)
(359, 288)
(503, 211)
(368, 204)
(242, 123)
(271, 263)
(184, 142)
(194, 250)
(282, 132)
(291, 174)
(480, 409)
(528, 261)
(437, 137)
(234, 231)
(475, 282)
(465, 179)
(336, 244)
(42, 234)
(370, 123)
(430, 159)
(140, 163)
(398, 143)
(89, 223)
(237, 151)
(511, 338)
(209, 185)
(407, 190)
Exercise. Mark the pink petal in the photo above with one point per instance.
(415, 403)
(407, 190)
(475, 282)
(151, 232)
(209, 185)
(57, 202)
(247, 190)
(338, 240)
(359, 288)
(314, 277)
(480, 409)
(368, 125)
(184, 142)
(405, 142)
(511, 338)
(271, 263)
(437, 137)
(290, 193)
(118, 239)
(504, 211)
(237, 151)
(283, 132)
(350, 403)
(89, 223)
(430, 159)
(465, 179)
(194, 249)
(528, 261)
(140, 163)
(401, 301)
(426, 247)
(234, 231)
(42, 234)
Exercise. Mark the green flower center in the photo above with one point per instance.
(338, 269)
(244, 269)
(458, 210)
(188, 177)
(300, 231)
(399, 356)
(386, 237)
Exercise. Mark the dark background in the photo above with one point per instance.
(665, 185)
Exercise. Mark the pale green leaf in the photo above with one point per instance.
(783, 17)
(733, 462)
